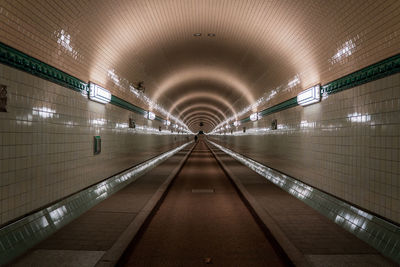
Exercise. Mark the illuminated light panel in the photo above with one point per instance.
(310, 96)
(254, 117)
(99, 94)
(151, 115)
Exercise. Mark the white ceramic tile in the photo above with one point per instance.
(347, 145)
(46, 143)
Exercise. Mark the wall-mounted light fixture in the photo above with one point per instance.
(254, 116)
(99, 94)
(151, 115)
(168, 123)
(310, 96)
(236, 123)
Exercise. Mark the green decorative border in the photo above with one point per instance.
(14, 58)
(371, 73)
(19, 60)
(292, 102)
(126, 105)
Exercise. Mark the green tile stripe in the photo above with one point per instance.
(18, 237)
(379, 233)
(19, 60)
(279, 107)
(371, 73)
(126, 105)
(292, 102)
(22, 61)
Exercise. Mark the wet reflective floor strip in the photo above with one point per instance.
(202, 228)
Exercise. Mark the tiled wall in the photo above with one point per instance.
(347, 145)
(46, 143)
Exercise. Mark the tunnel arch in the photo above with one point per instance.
(204, 119)
(202, 95)
(201, 112)
(202, 106)
(203, 73)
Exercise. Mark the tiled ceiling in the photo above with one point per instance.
(247, 48)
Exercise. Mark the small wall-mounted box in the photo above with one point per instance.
(96, 145)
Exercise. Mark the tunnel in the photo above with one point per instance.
(199, 132)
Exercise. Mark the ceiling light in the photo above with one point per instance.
(211, 35)
(198, 34)
(98, 93)
(309, 96)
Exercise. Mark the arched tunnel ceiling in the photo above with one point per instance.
(247, 49)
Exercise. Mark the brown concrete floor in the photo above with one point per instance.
(190, 227)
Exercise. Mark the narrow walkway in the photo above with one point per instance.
(85, 241)
(202, 220)
(322, 242)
